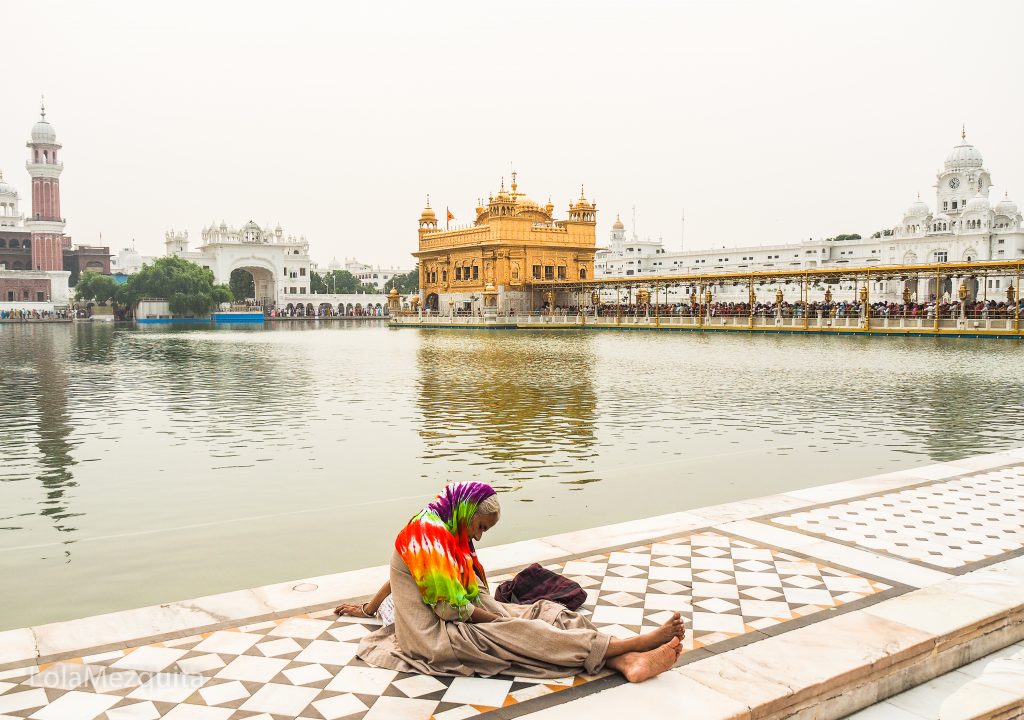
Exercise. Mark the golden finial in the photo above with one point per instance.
(428, 199)
(42, 107)
(582, 196)
(503, 183)
(514, 185)
(963, 131)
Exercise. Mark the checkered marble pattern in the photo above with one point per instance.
(305, 666)
(947, 524)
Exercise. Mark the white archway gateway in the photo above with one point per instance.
(280, 265)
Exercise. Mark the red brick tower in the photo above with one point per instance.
(45, 221)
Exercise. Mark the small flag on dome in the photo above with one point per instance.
(451, 216)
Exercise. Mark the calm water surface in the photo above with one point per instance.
(143, 466)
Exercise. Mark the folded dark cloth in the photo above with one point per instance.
(537, 583)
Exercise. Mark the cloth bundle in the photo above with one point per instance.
(538, 583)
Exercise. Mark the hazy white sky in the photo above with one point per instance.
(765, 121)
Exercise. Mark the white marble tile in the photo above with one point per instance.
(926, 699)
(76, 705)
(674, 603)
(627, 558)
(663, 697)
(281, 646)
(934, 611)
(198, 712)
(362, 680)
(232, 643)
(223, 693)
(305, 674)
(714, 622)
(478, 691)
(168, 687)
(418, 685)
(397, 708)
(765, 608)
(200, 664)
(23, 700)
(114, 680)
(339, 706)
(352, 632)
(613, 583)
(578, 567)
(719, 590)
(304, 628)
(679, 574)
(138, 711)
(149, 659)
(767, 534)
(63, 676)
(280, 699)
(885, 711)
(252, 669)
(605, 614)
(458, 713)
(328, 652)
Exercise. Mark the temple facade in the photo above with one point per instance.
(512, 246)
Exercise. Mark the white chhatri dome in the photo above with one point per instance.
(43, 132)
(1007, 207)
(978, 202)
(917, 209)
(5, 188)
(963, 155)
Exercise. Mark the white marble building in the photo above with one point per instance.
(964, 225)
(279, 264)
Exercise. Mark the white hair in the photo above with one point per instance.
(490, 506)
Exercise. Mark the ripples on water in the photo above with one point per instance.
(140, 466)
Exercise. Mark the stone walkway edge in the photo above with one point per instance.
(927, 623)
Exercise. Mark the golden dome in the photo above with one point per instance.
(427, 214)
(618, 223)
(524, 201)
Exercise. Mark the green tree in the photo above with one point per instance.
(407, 283)
(337, 281)
(241, 284)
(187, 287)
(96, 286)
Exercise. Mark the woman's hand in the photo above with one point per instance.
(354, 610)
(482, 616)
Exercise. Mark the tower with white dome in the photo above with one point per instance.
(962, 177)
(45, 223)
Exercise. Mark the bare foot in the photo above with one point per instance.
(672, 628)
(640, 666)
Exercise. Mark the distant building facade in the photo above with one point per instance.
(964, 226)
(38, 263)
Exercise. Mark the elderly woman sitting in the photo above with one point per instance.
(445, 625)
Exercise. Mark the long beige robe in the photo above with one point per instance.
(543, 640)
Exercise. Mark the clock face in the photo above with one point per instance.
(954, 183)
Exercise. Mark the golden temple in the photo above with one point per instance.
(512, 244)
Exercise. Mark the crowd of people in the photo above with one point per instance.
(325, 310)
(982, 309)
(29, 315)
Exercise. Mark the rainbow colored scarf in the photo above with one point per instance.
(436, 546)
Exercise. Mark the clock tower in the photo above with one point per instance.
(961, 178)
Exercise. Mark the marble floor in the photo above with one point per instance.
(740, 577)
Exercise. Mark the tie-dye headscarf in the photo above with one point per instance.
(438, 550)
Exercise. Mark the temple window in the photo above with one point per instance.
(444, 276)
(583, 273)
(476, 272)
(561, 272)
(954, 204)
(458, 273)
(536, 272)
(549, 272)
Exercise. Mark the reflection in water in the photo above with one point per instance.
(37, 427)
(505, 409)
(187, 461)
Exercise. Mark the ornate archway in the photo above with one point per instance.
(264, 278)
